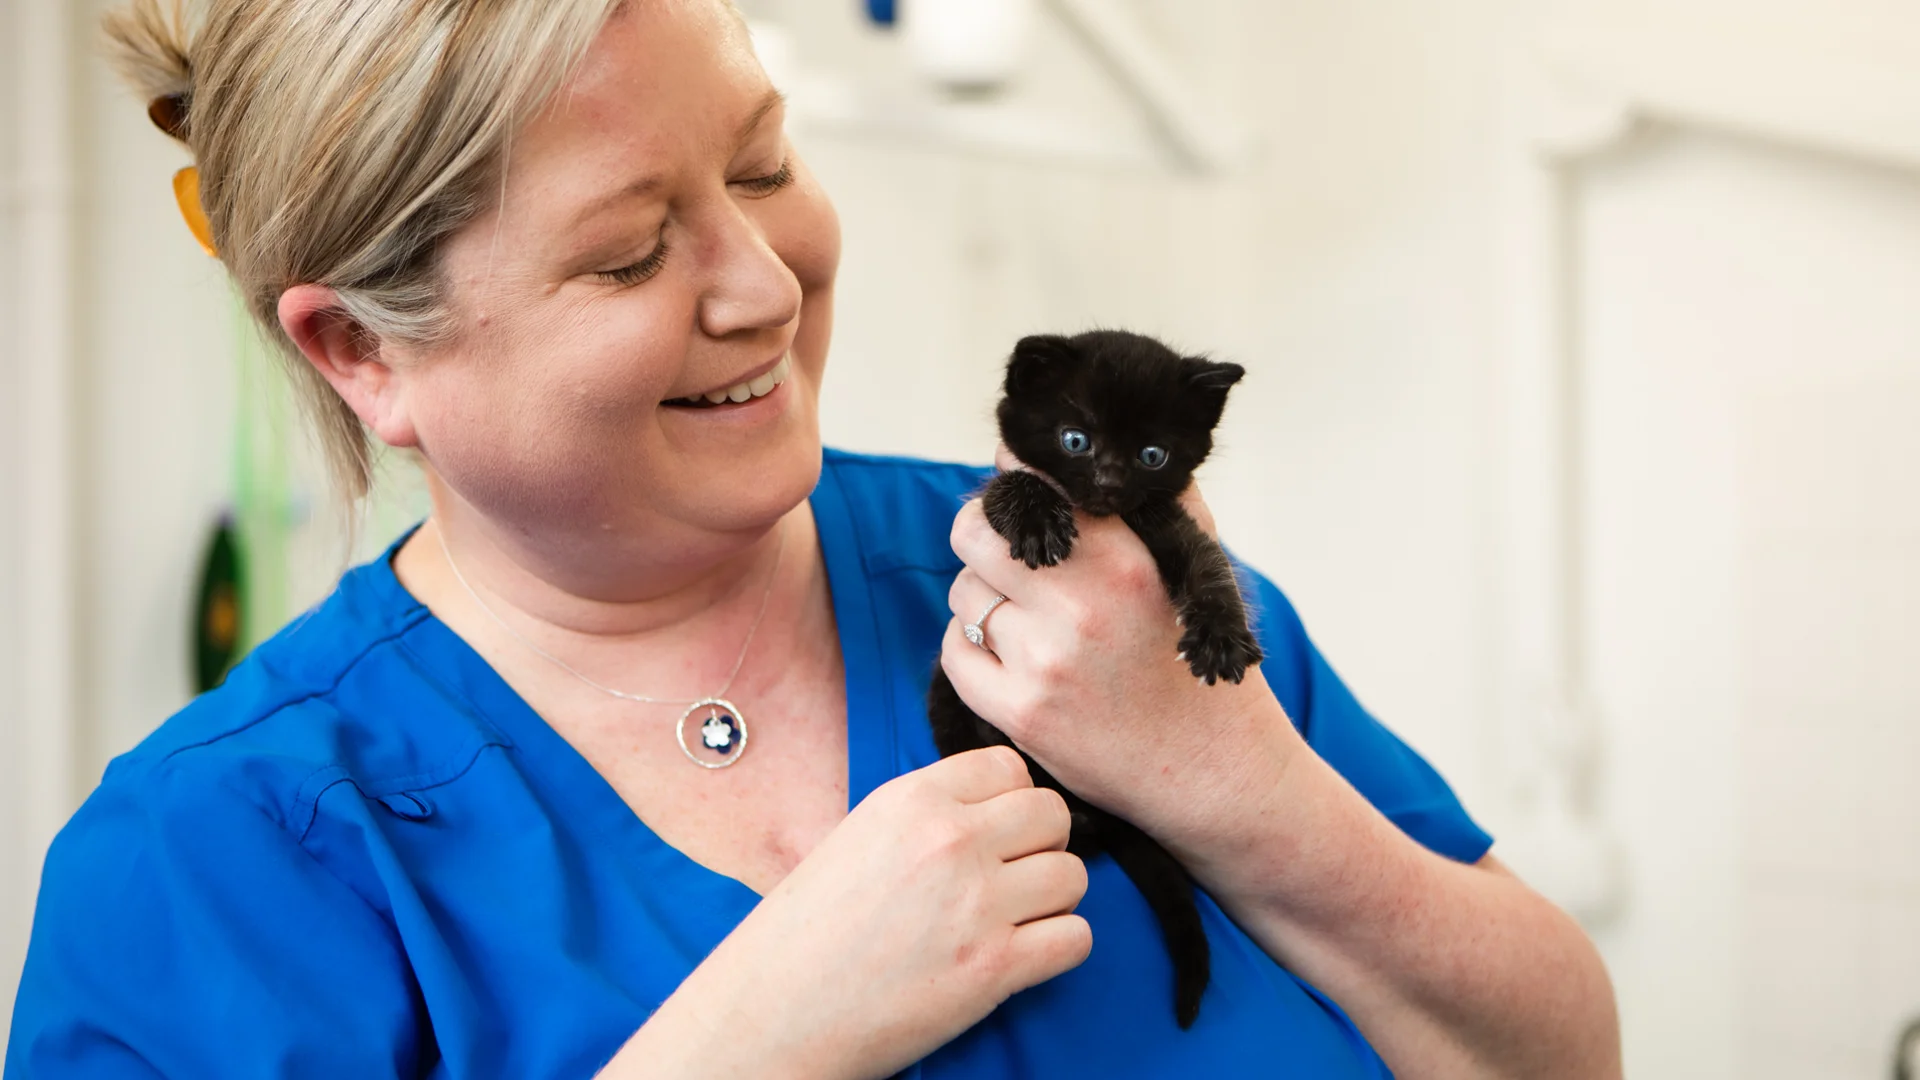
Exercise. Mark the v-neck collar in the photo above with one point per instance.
(578, 792)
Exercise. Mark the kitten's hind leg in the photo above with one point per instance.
(1035, 519)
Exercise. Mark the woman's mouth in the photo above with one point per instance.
(743, 392)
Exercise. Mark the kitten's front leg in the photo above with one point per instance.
(1034, 518)
(1218, 642)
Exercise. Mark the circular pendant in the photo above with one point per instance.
(719, 733)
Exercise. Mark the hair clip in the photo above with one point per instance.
(186, 192)
(169, 113)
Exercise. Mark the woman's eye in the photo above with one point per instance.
(1153, 457)
(761, 186)
(640, 271)
(1075, 441)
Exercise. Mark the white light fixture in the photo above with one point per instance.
(967, 46)
(970, 48)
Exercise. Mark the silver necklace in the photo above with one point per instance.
(723, 730)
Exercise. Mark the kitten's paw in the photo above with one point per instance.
(1044, 536)
(1218, 649)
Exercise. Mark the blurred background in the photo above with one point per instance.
(1582, 423)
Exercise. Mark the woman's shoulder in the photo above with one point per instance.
(196, 863)
(338, 696)
(900, 510)
(901, 477)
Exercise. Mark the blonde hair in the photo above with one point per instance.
(340, 143)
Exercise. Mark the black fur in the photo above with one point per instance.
(1125, 393)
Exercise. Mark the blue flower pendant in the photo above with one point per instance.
(712, 733)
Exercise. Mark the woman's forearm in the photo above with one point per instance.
(1449, 970)
(945, 892)
(700, 1033)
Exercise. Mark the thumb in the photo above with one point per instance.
(1194, 505)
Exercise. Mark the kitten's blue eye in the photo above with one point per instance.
(1153, 457)
(1074, 441)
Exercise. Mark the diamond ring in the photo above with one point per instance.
(976, 630)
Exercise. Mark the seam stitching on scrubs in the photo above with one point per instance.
(388, 929)
(469, 708)
(376, 792)
(858, 534)
(283, 706)
(313, 813)
(423, 780)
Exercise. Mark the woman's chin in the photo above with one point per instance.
(747, 463)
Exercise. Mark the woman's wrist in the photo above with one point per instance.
(1238, 814)
(713, 1028)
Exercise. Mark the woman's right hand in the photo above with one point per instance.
(942, 894)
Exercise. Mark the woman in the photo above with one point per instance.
(450, 823)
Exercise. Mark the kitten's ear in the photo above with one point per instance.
(1213, 377)
(1036, 360)
(1208, 383)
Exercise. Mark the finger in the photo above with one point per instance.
(1197, 508)
(978, 775)
(973, 537)
(987, 554)
(977, 675)
(970, 594)
(972, 602)
(1024, 822)
(1004, 460)
(1044, 948)
(1039, 886)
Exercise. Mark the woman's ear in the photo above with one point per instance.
(350, 359)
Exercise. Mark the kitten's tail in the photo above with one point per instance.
(1169, 892)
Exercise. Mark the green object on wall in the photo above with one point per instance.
(218, 621)
(242, 596)
(267, 510)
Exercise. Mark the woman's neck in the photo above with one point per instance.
(597, 604)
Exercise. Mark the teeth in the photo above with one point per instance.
(746, 391)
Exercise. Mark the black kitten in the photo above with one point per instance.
(1118, 422)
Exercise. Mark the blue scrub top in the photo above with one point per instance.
(365, 856)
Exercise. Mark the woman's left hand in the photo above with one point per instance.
(1449, 970)
(1085, 676)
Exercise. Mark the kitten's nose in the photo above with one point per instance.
(1109, 479)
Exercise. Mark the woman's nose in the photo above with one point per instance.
(751, 287)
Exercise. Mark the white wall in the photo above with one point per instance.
(15, 905)
(35, 608)
(158, 386)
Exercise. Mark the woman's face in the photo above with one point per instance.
(656, 239)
